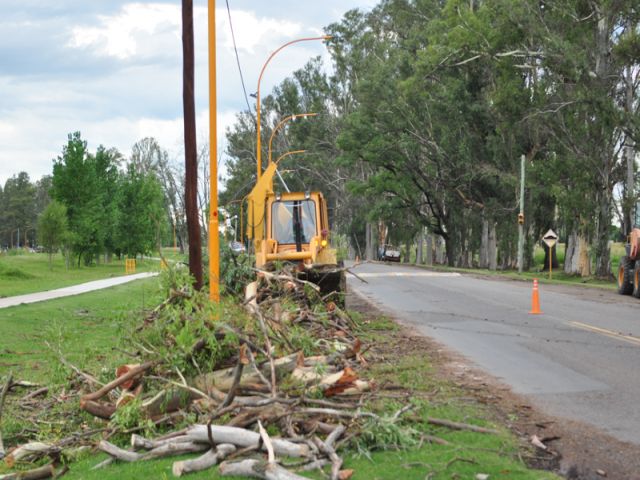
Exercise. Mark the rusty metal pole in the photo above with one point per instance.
(190, 147)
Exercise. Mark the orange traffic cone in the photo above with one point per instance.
(535, 298)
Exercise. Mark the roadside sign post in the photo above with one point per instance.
(550, 238)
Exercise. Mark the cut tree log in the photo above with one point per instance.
(173, 449)
(47, 471)
(25, 451)
(97, 409)
(168, 401)
(119, 453)
(166, 450)
(119, 381)
(208, 460)
(257, 469)
(138, 442)
(246, 438)
(224, 379)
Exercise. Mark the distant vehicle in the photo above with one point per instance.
(388, 253)
(237, 247)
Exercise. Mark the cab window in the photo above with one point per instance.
(290, 216)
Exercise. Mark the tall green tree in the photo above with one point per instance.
(141, 215)
(85, 184)
(18, 209)
(52, 228)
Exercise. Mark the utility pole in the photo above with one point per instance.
(521, 219)
(190, 147)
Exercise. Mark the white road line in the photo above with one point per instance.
(408, 274)
(608, 333)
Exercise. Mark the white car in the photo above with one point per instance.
(388, 253)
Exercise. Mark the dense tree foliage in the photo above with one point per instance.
(18, 213)
(102, 204)
(430, 106)
(53, 228)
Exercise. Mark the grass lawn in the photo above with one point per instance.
(83, 327)
(86, 328)
(174, 254)
(30, 272)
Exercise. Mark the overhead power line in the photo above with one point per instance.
(235, 48)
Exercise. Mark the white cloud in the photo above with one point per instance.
(252, 31)
(122, 35)
(116, 75)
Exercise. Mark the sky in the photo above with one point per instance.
(112, 69)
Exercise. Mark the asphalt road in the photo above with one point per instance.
(579, 359)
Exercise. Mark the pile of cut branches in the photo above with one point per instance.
(280, 378)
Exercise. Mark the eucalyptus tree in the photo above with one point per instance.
(584, 72)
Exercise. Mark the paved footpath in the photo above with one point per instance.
(73, 290)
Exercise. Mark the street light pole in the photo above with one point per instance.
(258, 146)
(282, 122)
(214, 234)
(521, 223)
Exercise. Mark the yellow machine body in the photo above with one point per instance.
(293, 227)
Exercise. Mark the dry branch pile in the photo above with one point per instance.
(280, 380)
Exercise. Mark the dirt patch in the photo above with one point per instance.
(575, 450)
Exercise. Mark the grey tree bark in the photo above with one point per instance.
(429, 256)
(420, 247)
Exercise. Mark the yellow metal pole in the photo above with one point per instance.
(289, 153)
(214, 234)
(258, 146)
(282, 122)
(550, 261)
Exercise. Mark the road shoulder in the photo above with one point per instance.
(574, 450)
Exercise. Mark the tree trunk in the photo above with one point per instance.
(441, 256)
(492, 249)
(484, 244)
(602, 69)
(369, 248)
(584, 262)
(603, 261)
(407, 249)
(628, 204)
(420, 247)
(429, 259)
(451, 250)
(576, 257)
(190, 148)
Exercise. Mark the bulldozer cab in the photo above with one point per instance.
(296, 230)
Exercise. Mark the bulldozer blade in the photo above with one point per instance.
(330, 280)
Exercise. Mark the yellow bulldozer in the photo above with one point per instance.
(293, 227)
